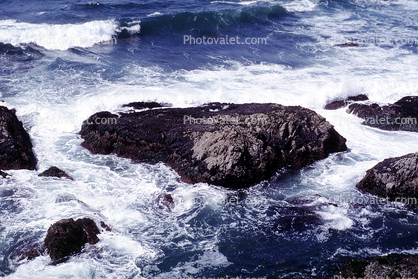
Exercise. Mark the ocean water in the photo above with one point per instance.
(62, 61)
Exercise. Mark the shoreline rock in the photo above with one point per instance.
(55, 172)
(146, 105)
(228, 145)
(67, 237)
(15, 144)
(400, 116)
(395, 178)
(334, 105)
(391, 266)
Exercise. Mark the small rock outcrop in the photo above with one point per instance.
(55, 172)
(165, 201)
(348, 44)
(27, 251)
(400, 116)
(15, 144)
(4, 174)
(146, 105)
(395, 178)
(392, 266)
(67, 237)
(229, 145)
(105, 226)
(342, 103)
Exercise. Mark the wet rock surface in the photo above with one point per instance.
(229, 145)
(15, 144)
(342, 103)
(400, 116)
(55, 172)
(166, 202)
(146, 105)
(395, 178)
(392, 266)
(27, 251)
(67, 237)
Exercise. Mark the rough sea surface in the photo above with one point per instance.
(62, 61)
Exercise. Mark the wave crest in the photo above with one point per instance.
(60, 36)
(209, 23)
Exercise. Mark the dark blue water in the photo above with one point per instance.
(62, 61)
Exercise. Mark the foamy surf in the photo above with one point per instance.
(61, 36)
(300, 224)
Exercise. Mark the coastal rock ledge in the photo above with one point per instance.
(231, 145)
(395, 178)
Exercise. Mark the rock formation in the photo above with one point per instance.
(15, 145)
(402, 115)
(223, 144)
(67, 237)
(395, 178)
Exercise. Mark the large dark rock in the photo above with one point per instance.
(392, 266)
(67, 237)
(402, 115)
(55, 172)
(395, 178)
(342, 103)
(223, 144)
(15, 145)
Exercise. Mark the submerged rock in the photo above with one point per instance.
(55, 172)
(146, 105)
(223, 144)
(27, 251)
(349, 44)
(165, 201)
(15, 145)
(395, 178)
(392, 266)
(67, 237)
(105, 226)
(342, 103)
(292, 218)
(4, 174)
(402, 115)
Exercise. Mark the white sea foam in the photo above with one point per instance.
(155, 14)
(58, 36)
(123, 194)
(300, 5)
